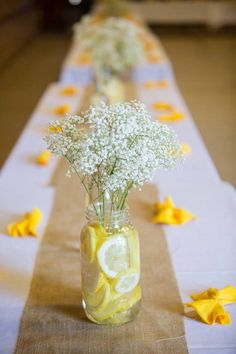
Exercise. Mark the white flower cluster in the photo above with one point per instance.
(115, 146)
(113, 43)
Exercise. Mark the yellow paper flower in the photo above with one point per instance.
(152, 84)
(163, 84)
(172, 117)
(163, 106)
(84, 59)
(153, 58)
(149, 45)
(44, 157)
(53, 129)
(69, 90)
(62, 109)
(167, 213)
(209, 304)
(27, 225)
(186, 148)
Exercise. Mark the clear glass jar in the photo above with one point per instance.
(110, 266)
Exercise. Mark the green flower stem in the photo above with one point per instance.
(81, 180)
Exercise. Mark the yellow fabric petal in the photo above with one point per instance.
(22, 227)
(167, 213)
(186, 148)
(163, 84)
(153, 58)
(165, 216)
(44, 157)
(17, 229)
(152, 84)
(53, 129)
(69, 90)
(163, 106)
(210, 311)
(27, 225)
(149, 46)
(34, 219)
(182, 216)
(35, 216)
(62, 109)
(208, 294)
(226, 295)
(168, 203)
(12, 230)
(84, 59)
(172, 117)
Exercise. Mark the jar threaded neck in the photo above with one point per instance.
(99, 213)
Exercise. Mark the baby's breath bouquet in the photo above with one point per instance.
(112, 149)
(113, 43)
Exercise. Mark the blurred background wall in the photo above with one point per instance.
(18, 23)
(23, 19)
(198, 35)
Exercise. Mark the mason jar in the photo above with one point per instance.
(110, 266)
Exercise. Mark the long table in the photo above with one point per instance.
(201, 251)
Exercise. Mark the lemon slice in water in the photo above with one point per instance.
(88, 243)
(113, 255)
(99, 299)
(92, 277)
(133, 242)
(99, 230)
(118, 305)
(126, 281)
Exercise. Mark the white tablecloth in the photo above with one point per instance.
(202, 251)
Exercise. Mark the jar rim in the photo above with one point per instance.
(98, 212)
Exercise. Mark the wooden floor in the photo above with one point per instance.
(205, 67)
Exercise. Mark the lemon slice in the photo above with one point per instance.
(99, 230)
(133, 242)
(88, 243)
(99, 299)
(126, 281)
(120, 304)
(92, 277)
(113, 256)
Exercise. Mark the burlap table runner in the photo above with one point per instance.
(53, 320)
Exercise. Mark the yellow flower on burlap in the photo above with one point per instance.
(44, 157)
(84, 59)
(171, 117)
(167, 213)
(69, 90)
(209, 304)
(152, 84)
(186, 148)
(62, 109)
(27, 225)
